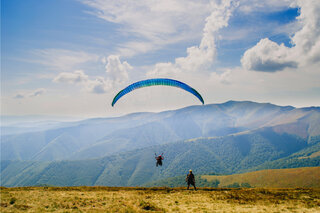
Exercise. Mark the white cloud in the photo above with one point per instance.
(153, 23)
(269, 56)
(224, 77)
(308, 38)
(135, 20)
(116, 74)
(98, 86)
(77, 76)
(202, 56)
(289, 87)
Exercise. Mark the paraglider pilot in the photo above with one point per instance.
(159, 159)
(191, 180)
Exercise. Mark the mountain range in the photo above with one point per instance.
(227, 138)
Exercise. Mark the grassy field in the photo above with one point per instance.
(125, 199)
(274, 178)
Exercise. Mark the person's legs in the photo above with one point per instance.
(160, 163)
(157, 164)
(194, 185)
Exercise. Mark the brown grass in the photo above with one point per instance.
(313, 155)
(274, 178)
(135, 199)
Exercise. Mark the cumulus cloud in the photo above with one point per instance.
(77, 76)
(98, 85)
(31, 94)
(202, 56)
(116, 74)
(307, 40)
(269, 56)
(223, 78)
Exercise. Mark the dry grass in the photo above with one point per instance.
(274, 178)
(313, 155)
(125, 199)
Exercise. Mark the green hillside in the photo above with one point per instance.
(304, 158)
(256, 150)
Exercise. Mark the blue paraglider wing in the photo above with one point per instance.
(156, 82)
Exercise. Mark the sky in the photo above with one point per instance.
(71, 57)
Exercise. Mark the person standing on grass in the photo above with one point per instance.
(191, 180)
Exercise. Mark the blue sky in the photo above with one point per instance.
(70, 57)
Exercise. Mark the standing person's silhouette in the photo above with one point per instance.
(191, 180)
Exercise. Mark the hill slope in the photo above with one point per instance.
(273, 178)
(256, 150)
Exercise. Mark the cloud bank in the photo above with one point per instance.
(116, 71)
(268, 56)
(116, 74)
(77, 76)
(202, 56)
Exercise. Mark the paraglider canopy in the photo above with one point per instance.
(156, 82)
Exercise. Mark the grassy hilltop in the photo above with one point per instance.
(274, 178)
(135, 199)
